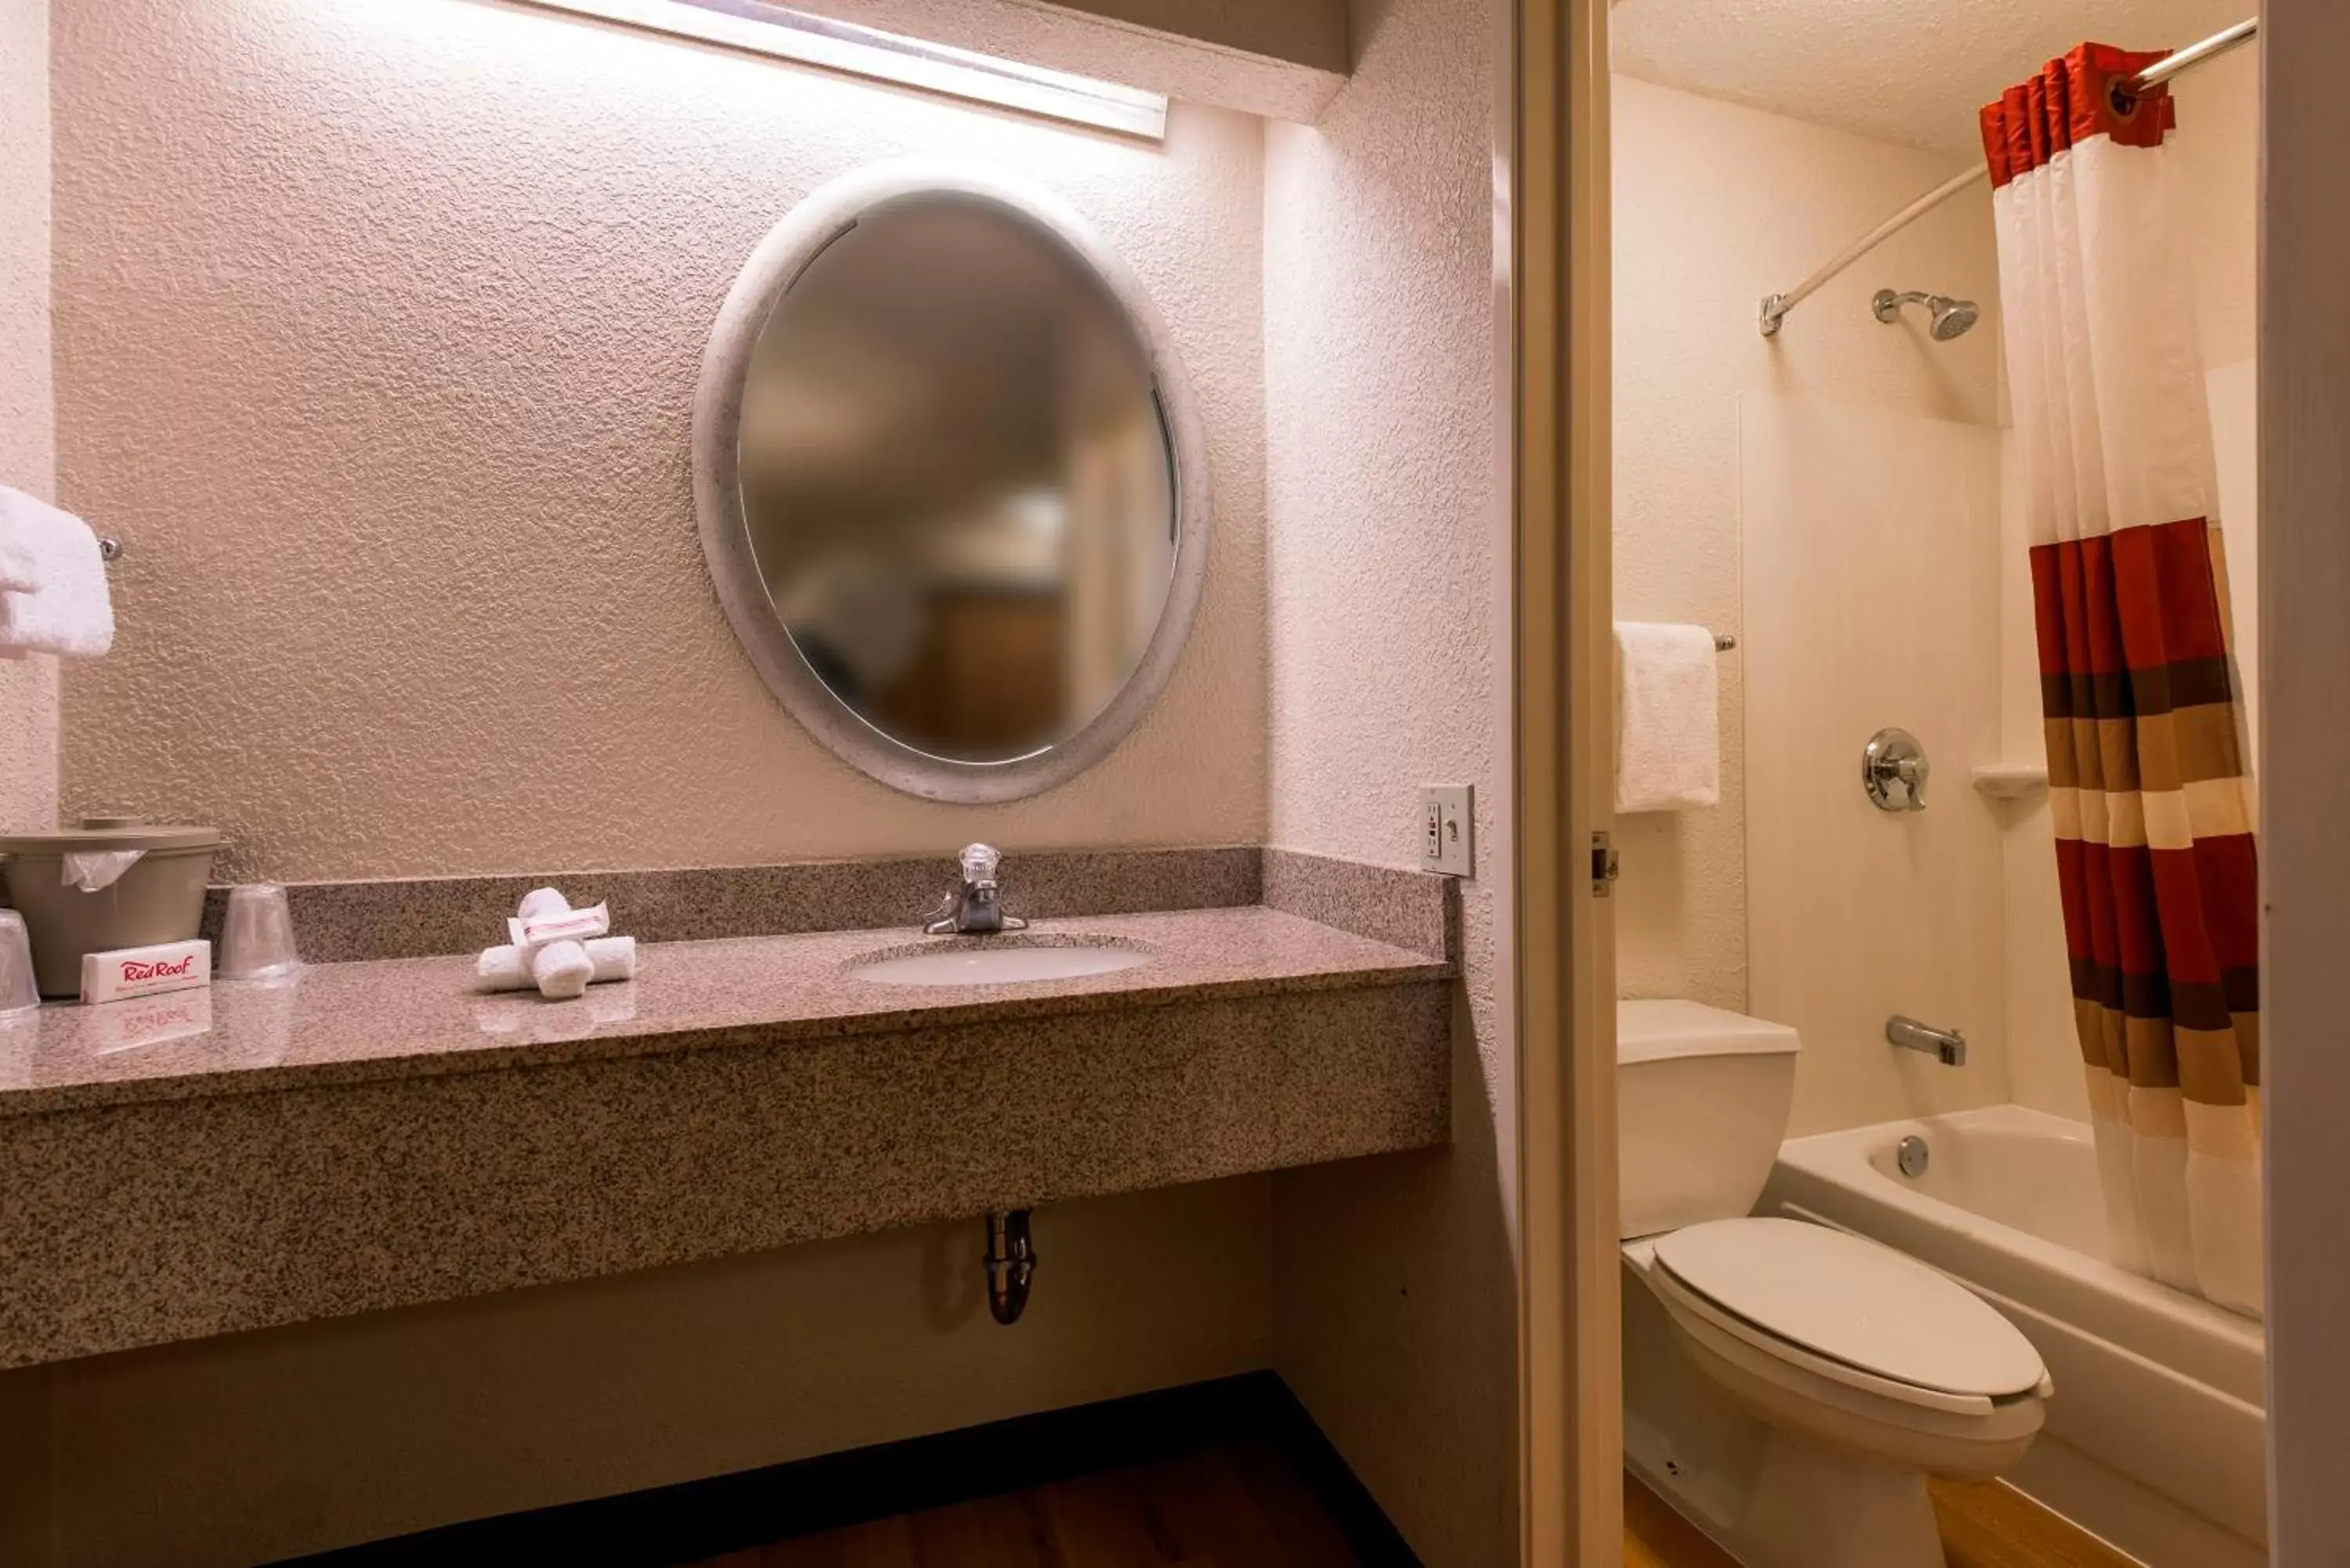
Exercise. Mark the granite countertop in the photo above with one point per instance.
(360, 1022)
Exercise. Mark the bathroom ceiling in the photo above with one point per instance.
(1912, 71)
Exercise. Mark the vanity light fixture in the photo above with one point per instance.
(775, 30)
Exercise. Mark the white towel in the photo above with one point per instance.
(52, 596)
(1667, 722)
(27, 531)
(509, 968)
(562, 969)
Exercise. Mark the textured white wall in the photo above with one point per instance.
(1394, 1295)
(1716, 205)
(2218, 190)
(29, 688)
(383, 322)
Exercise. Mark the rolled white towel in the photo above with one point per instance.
(562, 971)
(540, 902)
(53, 593)
(508, 968)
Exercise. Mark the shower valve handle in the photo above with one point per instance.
(1893, 771)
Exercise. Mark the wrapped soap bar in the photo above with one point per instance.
(559, 926)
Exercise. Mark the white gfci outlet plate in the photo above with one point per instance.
(1448, 842)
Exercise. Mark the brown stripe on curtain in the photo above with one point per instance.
(2158, 689)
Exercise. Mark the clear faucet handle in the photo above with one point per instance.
(979, 863)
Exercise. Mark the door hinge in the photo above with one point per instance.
(1603, 867)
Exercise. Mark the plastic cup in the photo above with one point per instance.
(257, 938)
(19, 993)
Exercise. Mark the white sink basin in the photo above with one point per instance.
(992, 965)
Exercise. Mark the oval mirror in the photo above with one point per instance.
(949, 483)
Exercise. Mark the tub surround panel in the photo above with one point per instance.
(1414, 910)
(374, 1135)
(341, 922)
(1856, 914)
(2218, 192)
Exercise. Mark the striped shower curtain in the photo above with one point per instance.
(2147, 767)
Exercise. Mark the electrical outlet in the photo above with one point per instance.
(1448, 842)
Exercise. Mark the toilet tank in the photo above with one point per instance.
(1701, 1102)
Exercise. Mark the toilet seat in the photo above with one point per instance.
(1850, 1310)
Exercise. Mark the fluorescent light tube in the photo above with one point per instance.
(783, 34)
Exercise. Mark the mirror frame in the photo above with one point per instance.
(774, 266)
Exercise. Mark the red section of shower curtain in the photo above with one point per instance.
(2160, 885)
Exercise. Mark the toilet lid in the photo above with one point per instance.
(1853, 1300)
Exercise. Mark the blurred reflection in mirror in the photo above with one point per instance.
(956, 478)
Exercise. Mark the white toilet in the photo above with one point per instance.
(1786, 1386)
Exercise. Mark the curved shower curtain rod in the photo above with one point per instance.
(1776, 305)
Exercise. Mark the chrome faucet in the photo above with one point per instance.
(972, 910)
(1944, 1045)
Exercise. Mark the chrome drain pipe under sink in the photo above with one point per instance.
(1011, 1261)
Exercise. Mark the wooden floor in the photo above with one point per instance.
(1986, 1526)
(1657, 1537)
(1243, 1506)
(1995, 1526)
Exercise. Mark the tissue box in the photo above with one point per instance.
(158, 898)
(144, 971)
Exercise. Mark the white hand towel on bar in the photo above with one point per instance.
(1668, 720)
(52, 596)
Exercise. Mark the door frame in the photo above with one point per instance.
(1553, 292)
(2305, 835)
(1553, 271)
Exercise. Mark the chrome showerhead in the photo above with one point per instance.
(1948, 318)
(1951, 317)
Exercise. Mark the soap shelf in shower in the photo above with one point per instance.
(2003, 781)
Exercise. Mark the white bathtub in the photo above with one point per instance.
(2156, 1437)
